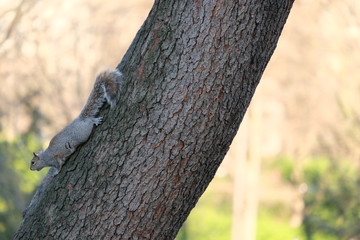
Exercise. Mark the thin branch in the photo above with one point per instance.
(20, 10)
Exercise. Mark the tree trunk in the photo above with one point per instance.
(189, 74)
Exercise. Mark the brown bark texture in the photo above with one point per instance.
(190, 74)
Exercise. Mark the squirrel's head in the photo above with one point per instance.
(36, 163)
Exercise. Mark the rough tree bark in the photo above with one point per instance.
(189, 74)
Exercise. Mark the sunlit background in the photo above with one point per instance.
(293, 169)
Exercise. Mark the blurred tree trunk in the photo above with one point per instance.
(247, 147)
(189, 74)
(239, 149)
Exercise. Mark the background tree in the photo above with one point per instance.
(190, 74)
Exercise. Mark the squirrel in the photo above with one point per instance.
(106, 89)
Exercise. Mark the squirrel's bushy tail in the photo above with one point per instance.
(106, 88)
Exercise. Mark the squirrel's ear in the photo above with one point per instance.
(35, 155)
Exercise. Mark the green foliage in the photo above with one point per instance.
(332, 203)
(16, 181)
(314, 170)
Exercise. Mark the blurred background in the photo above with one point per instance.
(293, 169)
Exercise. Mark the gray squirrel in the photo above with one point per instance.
(106, 88)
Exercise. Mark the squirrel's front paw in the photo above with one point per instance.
(54, 171)
(98, 121)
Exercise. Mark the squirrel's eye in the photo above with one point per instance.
(32, 162)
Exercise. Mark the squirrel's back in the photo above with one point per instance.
(106, 88)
